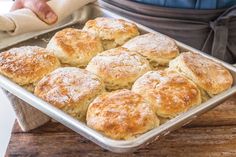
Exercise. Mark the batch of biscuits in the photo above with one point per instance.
(120, 83)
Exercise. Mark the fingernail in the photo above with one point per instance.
(51, 18)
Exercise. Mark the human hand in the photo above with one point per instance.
(39, 7)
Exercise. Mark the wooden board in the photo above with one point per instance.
(212, 134)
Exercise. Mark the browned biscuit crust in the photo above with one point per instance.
(121, 114)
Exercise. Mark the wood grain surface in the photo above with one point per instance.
(212, 134)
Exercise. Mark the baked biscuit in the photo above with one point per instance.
(112, 32)
(118, 67)
(211, 77)
(121, 115)
(157, 48)
(70, 89)
(26, 65)
(169, 92)
(75, 47)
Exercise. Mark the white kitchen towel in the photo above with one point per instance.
(24, 20)
(27, 117)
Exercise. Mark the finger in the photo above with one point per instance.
(43, 11)
(16, 5)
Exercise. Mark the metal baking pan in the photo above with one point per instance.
(119, 146)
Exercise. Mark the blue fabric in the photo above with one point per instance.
(191, 4)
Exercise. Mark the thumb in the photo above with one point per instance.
(43, 11)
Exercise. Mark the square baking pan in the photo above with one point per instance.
(120, 146)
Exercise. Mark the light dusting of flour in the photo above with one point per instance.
(70, 85)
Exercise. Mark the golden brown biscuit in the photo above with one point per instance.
(168, 91)
(27, 65)
(75, 47)
(157, 48)
(207, 74)
(70, 89)
(113, 32)
(118, 67)
(121, 115)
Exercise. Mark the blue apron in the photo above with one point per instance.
(191, 4)
(213, 31)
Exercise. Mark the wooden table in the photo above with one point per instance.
(212, 134)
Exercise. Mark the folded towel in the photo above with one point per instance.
(27, 116)
(24, 20)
